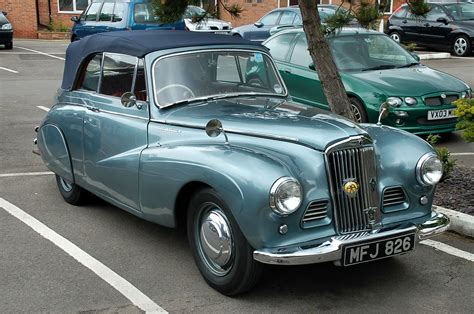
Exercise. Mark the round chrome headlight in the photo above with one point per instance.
(286, 195)
(394, 101)
(429, 169)
(410, 101)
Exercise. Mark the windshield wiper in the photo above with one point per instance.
(409, 65)
(380, 67)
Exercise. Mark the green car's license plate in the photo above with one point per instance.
(378, 249)
(440, 114)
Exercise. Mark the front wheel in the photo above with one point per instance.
(462, 46)
(396, 37)
(220, 250)
(71, 193)
(358, 110)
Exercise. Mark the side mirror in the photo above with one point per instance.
(75, 19)
(442, 20)
(417, 57)
(214, 128)
(129, 99)
(383, 112)
(258, 24)
(311, 66)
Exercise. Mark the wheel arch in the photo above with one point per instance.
(183, 198)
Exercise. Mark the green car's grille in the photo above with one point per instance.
(438, 100)
(354, 210)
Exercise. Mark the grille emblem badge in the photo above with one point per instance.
(443, 96)
(351, 187)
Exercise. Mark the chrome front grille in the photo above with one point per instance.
(393, 196)
(438, 100)
(315, 211)
(354, 162)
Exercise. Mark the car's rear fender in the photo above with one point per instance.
(54, 151)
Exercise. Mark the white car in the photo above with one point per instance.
(209, 24)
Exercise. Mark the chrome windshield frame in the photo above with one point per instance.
(248, 94)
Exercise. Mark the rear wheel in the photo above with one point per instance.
(220, 250)
(358, 110)
(396, 36)
(462, 46)
(71, 193)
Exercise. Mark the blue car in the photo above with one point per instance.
(116, 15)
(175, 128)
(282, 17)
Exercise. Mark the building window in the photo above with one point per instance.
(72, 6)
(389, 7)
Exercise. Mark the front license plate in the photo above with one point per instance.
(378, 249)
(440, 114)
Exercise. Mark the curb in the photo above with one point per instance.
(460, 222)
(433, 55)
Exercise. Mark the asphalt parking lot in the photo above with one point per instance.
(39, 276)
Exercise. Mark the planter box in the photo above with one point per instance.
(54, 35)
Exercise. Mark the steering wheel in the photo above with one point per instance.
(187, 89)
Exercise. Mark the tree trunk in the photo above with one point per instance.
(322, 58)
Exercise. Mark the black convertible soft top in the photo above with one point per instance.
(139, 44)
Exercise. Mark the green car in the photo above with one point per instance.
(374, 69)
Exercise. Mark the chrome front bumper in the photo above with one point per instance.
(332, 249)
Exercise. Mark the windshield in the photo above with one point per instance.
(214, 74)
(193, 11)
(363, 52)
(461, 11)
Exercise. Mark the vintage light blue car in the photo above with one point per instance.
(171, 127)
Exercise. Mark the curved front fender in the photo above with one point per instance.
(241, 177)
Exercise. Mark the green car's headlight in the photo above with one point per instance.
(410, 101)
(429, 169)
(394, 101)
(286, 196)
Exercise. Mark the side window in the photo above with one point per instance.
(287, 17)
(107, 12)
(227, 69)
(401, 12)
(280, 45)
(435, 13)
(91, 14)
(118, 12)
(270, 19)
(90, 78)
(143, 13)
(300, 55)
(117, 74)
(298, 20)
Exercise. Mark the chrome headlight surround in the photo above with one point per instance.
(429, 169)
(286, 196)
(394, 101)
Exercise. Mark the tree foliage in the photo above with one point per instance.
(465, 113)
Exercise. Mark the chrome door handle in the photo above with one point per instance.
(91, 108)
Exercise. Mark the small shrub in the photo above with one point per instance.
(444, 155)
(410, 46)
(465, 113)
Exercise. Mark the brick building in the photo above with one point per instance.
(29, 16)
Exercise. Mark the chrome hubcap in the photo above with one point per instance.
(395, 37)
(66, 186)
(460, 46)
(215, 240)
(356, 112)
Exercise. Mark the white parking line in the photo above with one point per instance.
(41, 53)
(43, 108)
(449, 249)
(462, 154)
(25, 174)
(137, 297)
(8, 70)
